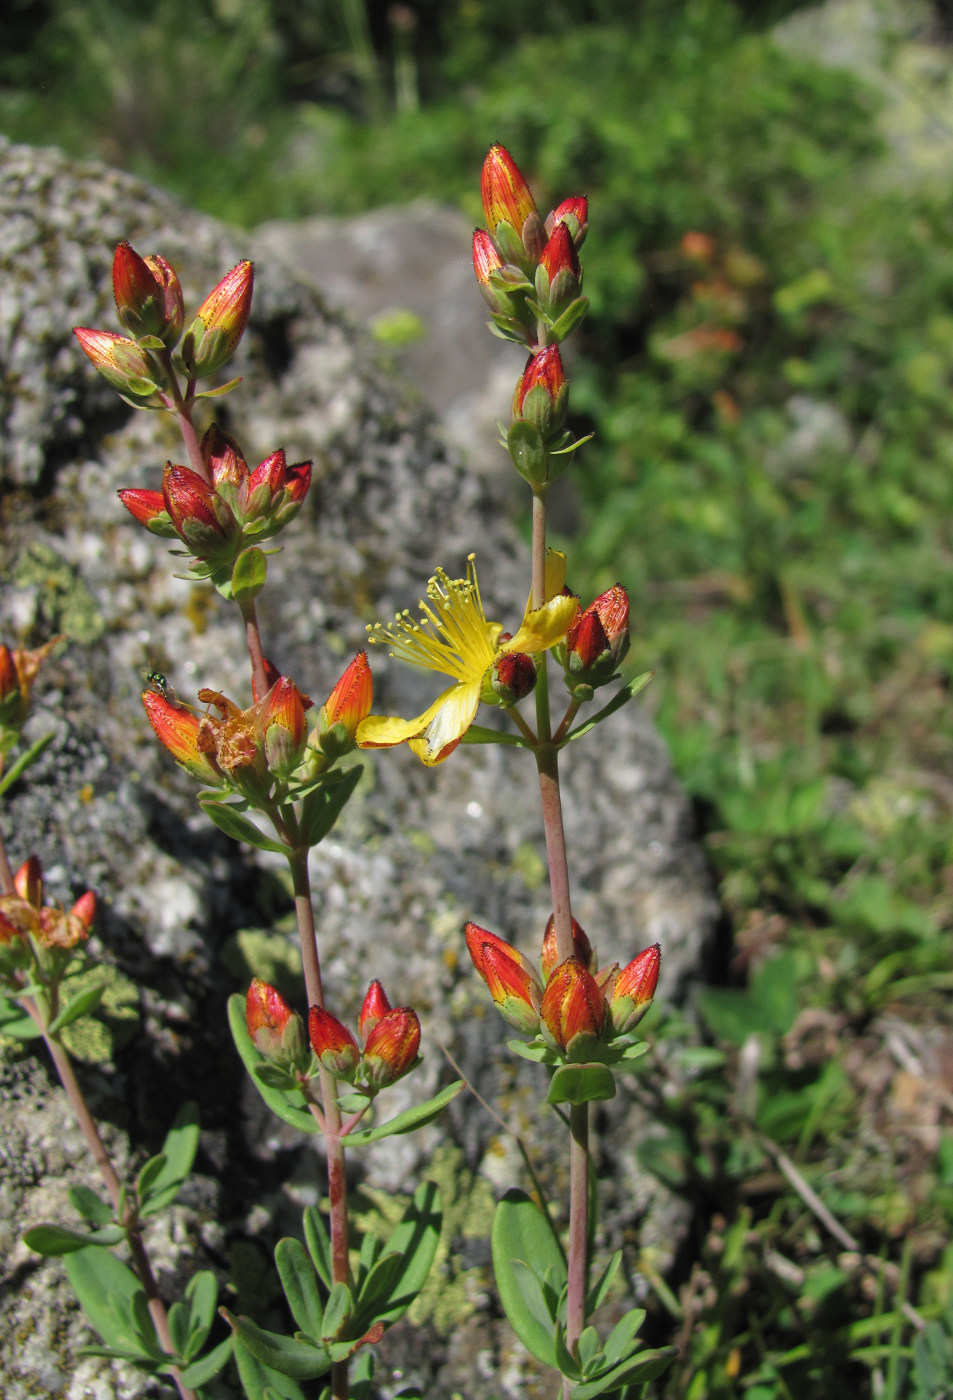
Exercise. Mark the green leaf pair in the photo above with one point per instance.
(335, 1320)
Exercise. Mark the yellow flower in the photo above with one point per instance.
(454, 639)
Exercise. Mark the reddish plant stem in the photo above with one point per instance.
(255, 653)
(182, 406)
(334, 1144)
(97, 1148)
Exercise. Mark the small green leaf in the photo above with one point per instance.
(337, 1313)
(377, 1285)
(260, 1381)
(222, 389)
(533, 1050)
(300, 1360)
(90, 1206)
(106, 1289)
(16, 1024)
(411, 1118)
(198, 1372)
(56, 1239)
(249, 573)
(621, 697)
(581, 1084)
(622, 1339)
(568, 321)
(179, 1327)
(150, 1172)
(239, 828)
(528, 452)
(319, 1245)
(414, 1240)
(274, 1077)
(202, 1295)
(81, 1005)
(644, 1367)
(600, 1289)
(299, 1281)
(522, 1232)
(322, 807)
(25, 761)
(279, 1102)
(179, 1149)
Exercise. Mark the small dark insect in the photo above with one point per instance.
(162, 687)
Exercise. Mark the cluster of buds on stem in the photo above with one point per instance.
(596, 644)
(39, 936)
(223, 516)
(150, 306)
(575, 1010)
(390, 1036)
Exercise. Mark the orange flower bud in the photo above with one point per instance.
(282, 723)
(219, 322)
(374, 1007)
(599, 638)
(223, 457)
(202, 518)
(121, 363)
(542, 394)
(276, 1031)
(345, 708)
(559, 275)
(509, 208)
(582, 948)
(177, 729)
(148, 507)
(391, 1047)
(631, 994)
(28, 882)
(148, 295)
(510, 978)
(574, 213)
(333, 1044)
(573, 1009)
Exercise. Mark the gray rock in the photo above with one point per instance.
(416, 853)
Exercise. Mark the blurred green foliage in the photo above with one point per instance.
(767, 371)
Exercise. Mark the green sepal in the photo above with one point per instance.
(565, 324)
(178, 1149)
(621, 697)
(589, 1083)
(81, 1005)
(302, 1361)
(25, 761)
(411, 1118)
(522, 1232)
(353, 1101)
(277, 1100)
(274, 1077)
(479, 734)
(535, 1050)
(249, 574)
(261, 1382)
(319, 1245)
(526, 448)
(90, 1205)
(322, 807)
(240, 828)
(508, 328)
(56, 1240)
(201, 1293)
(200, 1371)
(300, 1283)
(222, 389)
(388, 1291)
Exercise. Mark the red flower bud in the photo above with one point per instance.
(84, 910)
(348, 704)
(559, 276)
(120, 361)
(599, 638)
(391, 1047)
(514, 676)
(148, 507)
(374, 1007)
(582, 948)
(283, 727)
(542, 393)
(276, 1031)
(219, 322)
(631, 994)
(509, 208)
(510, 978)
(224, 459)
(574, 213)
(28, 882)
(202, 519)
(573, 1009)
(333, 1044)
(148, 295)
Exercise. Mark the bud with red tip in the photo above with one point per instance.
(276, 1031)
(333, 1044)
(502, 286)
(574, 213)
(219, 323)
(510, 210)
(542, 394)
(630, 994)
(510, 978)
(344, 710)
(202, 518)
(390, 1050)
(178, 730)
(148, 295)
(573, 1009)
(273, 494)
(581, 947)
(512, 678)
(375, 1006)
(282, 723)
(148, 507)
(123, 365)
(597, 641)
(558, 276)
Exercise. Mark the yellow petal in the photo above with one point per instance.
(545, 626)
(451, 717)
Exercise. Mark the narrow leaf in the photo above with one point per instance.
(56, 1239)
(600, 1289)
(319, 1245)
(337, 1312)
(621, 1339)
(300, 1360)
(260, 1381)
(200, 1371)
(179, 1327)
(411, 1118)
(25, 761)
(322, 807)
(240, 828)
(81, 1005)
(414, 1239)
(90, 1205)
(299, 1281)
(249, 573)
(106, 1288)
(202, 1295)
(645, 1367)
(621, 697)
(521, 1232)
(178, 1148)
(150, 1172)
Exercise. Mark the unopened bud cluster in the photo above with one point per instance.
(575, 1009)
(596, 643)
(39, 936)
